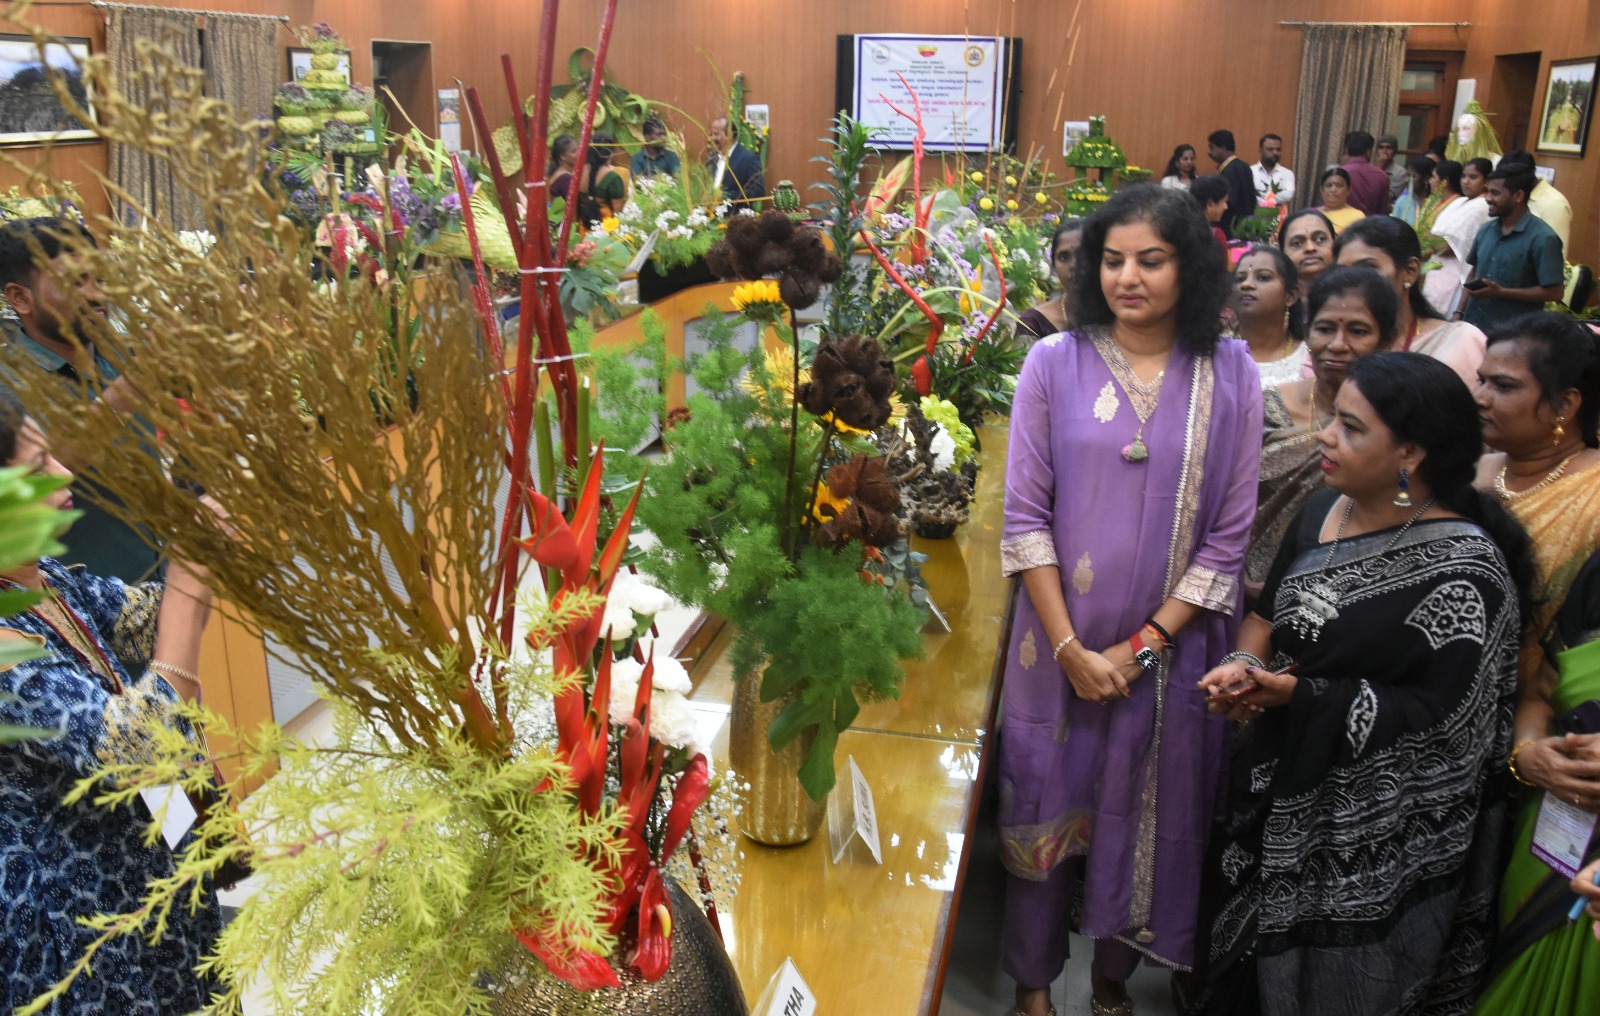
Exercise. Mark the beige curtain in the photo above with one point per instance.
(150, 183)
(1349, 80)
(243, 62)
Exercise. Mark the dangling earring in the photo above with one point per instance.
(1560, 431)
(1402, 499)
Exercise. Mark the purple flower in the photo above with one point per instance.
(451, 203)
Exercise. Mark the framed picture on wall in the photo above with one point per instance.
(1568, 101)
(30, 112)
(300, 63)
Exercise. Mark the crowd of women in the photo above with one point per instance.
(1306, 646)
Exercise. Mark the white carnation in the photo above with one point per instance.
(624, 689)
(672, 721)
(618, 622)
(670, 676)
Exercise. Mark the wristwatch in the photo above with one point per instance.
(1143, 655)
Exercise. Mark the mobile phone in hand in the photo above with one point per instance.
(1475, 284)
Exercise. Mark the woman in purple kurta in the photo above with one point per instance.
(1130, 492)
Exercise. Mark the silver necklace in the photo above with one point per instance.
(1319, 600)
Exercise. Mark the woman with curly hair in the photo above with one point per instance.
(1131, 485)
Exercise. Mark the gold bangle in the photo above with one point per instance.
(1511, 764)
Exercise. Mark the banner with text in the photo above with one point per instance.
(959, 80)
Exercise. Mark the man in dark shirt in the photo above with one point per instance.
(1517, 257)
(1369, 185)
(43, 331)
(1233, 170)
(655, 157)
(735, 169)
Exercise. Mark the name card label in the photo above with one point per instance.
(786, 994)
(1561, 835)
(851, 814)
(179, 814)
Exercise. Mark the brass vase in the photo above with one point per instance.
(776, 810)
(700, 981)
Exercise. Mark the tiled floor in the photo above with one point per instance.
(974, 984)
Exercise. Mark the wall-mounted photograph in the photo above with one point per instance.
(1568, 99)
(30, 111)
(300, 63)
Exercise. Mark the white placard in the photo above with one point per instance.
(758, 116)
(180, 814)
(1072, 132)
(786, 994)
(851, 813)
(1561, 834)
(959, 80)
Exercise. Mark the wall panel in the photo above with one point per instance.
(1162, 71)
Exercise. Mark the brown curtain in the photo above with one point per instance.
(149, 182)
(1349, 80)
(243, 62)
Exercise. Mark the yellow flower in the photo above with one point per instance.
(974, 286)
(759, 301)
(841, 426)
(1011, 205)
(780, 370)
(1040, 197)
(610, 223)
(976, 177)
(1011, 181)
(825, 500)
(986, 204)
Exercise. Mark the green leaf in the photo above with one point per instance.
(795, 718)
(14, 652)
(10, 734)
(845, 710)
(777, 681)
(857, 444)
(15, 601)
(816, 773)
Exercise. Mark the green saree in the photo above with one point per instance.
(1558, 972)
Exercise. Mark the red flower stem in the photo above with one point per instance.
(596, 81)
(480, 285)
(699, 865)
(936, 323)
(918, 213)
(999, 306)
(502, 184)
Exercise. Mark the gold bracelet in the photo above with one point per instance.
(168, 668)
(1511, 764)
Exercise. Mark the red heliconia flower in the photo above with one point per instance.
(552, 542)
(583, 970)
(694, 783)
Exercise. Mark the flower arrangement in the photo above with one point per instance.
(292, 98)
(773, 508)
(681, 213)
(467, 807)
(320, 38)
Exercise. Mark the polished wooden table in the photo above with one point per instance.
(871, 938)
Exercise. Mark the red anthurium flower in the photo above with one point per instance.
(653, 953)
(583, 970)
(922, 375)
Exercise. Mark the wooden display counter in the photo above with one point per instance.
(871, 938)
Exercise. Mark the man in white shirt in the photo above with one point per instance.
(1269, 175)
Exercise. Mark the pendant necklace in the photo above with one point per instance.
(1143, 396)
(1549, 478)
(1319, 600)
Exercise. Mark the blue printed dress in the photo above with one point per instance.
(58, 862)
